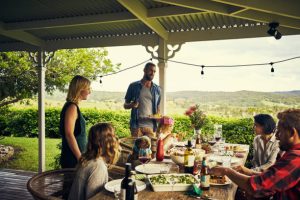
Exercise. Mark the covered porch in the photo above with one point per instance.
(161, 26)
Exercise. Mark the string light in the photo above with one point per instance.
(202, 66)
(272, 68)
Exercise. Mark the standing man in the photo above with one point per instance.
(143, 98)
(282, 180)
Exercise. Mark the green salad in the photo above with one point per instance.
(176, 179)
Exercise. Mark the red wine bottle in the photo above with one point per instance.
(125, 190)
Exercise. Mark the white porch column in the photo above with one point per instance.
(162, 64)
(41, 109)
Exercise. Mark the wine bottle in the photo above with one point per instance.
(205, 177)
(160, 149)
(130, 191)
(125, 183)
(189, 159)
(135, 191)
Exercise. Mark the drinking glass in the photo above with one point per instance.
(144, 156)
(117, 192)
(211, 140)
(218, 132)
(174, 169)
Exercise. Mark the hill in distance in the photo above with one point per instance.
(237, 99)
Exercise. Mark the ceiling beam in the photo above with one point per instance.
(71, 21)
(141, 12)
(145, 39)
(287, 8)
(52, 45)
(223, 9)
(21, 36)
(98, 19)
(150, 40)
(17, 46)
(203, 5)
(170, 11)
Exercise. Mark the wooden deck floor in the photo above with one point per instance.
(13, 184)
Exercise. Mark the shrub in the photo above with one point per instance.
(24, 122)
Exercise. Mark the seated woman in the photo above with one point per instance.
(141, 145)
(164, 131)
(265, 145)
(92, 174)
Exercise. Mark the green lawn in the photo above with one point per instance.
(26, 155)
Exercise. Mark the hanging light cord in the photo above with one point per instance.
(202, 66)
(242, 65)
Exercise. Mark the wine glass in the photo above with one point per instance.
(174, 169)
(218, 132)
(211, 140)
(144, 156)
(117, 192)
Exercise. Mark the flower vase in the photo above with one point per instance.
(197, 136)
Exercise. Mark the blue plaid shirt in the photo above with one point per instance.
(133, 93)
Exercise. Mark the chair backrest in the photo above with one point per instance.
(55, 184)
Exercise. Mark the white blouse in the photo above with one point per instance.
(264, 156)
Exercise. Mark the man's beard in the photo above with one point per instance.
(148, 78)
(285, 147)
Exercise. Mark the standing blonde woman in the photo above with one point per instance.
(72, 123)
(92, 173)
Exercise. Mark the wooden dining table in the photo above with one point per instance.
(220, 192)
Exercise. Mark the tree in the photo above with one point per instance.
(19, 79)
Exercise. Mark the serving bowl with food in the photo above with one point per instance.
(172, 182)
(177, 154)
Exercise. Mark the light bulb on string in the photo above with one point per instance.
(202, 71)
(272, 68)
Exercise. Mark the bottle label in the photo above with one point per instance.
(123, 194)
(205, 180)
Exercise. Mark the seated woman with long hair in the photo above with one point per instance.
(92, 173)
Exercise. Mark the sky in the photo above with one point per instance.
(221, 52)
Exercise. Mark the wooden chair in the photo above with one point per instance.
(127, 143)
(56, 184)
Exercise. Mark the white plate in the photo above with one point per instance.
(227, 182)
(153, 168)
(218, 159)
(111, 185)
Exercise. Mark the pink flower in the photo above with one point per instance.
(193, 108)
(188, 112)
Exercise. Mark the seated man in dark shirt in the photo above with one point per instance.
(282, 180)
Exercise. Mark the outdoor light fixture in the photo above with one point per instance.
(273, 31)
(100, 79)
(272, 68)
(202, 72)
